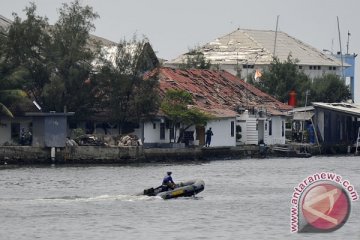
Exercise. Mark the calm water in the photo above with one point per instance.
(243, 199)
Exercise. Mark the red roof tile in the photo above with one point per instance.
(217, 92)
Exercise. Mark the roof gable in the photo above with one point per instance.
(218, 92)
(245, 46)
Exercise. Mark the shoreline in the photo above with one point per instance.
(28, 155)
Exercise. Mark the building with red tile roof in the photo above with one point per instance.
(219, 92)
(242, 113)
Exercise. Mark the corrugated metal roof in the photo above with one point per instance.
(245, 46)
(218, 92)
(348, 108)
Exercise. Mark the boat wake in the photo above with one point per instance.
(127, 198)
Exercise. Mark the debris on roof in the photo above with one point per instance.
(218, 92)
(244, 46)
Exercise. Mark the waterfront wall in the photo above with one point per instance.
(139, 154)
(105, 155)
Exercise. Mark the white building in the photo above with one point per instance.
(242, 114)
(159, 132)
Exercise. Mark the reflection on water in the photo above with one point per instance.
(243, 199)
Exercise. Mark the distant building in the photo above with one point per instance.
(244, 51)
(349, 74)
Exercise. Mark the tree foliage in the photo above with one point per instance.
(329, 88)
(122, 88)
(281, 78)
(72, 59)
(52, 62)
(25, 52)
(55, 66)
(195, 59)
(177, 107)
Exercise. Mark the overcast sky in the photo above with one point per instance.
(175, 26)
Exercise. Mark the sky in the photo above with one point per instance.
(174, 27)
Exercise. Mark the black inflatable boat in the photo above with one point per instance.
(183, 189)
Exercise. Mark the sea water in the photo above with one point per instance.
(243, 199)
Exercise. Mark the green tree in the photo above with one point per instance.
(25, 50)
(53, 62)
(176, 106)
(71, 60)
(329, 88)
(195, 59)
(11, 95)
(281, 78)
(122, 88)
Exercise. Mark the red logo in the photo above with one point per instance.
(325, 207)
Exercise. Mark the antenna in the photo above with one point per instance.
(341, 55)
(347, 44)
(277, 22)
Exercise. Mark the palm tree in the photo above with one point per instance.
(8, 97)
(4, 110)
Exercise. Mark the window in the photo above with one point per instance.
(162, 131)
(232, 128)
(154, 125)
(270, 127)
(300, 67)
(311, 67)
(282, 128)
(248, 66)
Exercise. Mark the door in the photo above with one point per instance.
(200, 135)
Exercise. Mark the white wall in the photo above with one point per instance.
(5, 128)
(248, 126)
(312, 73)
(278, 128)
(222, 132)
(152, 133)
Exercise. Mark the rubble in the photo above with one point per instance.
(105, 140)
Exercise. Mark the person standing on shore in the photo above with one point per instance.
(209, 134)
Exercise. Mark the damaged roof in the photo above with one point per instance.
(348, 108)
(244, 46)
(218, 92)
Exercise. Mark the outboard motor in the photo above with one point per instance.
(149, 192)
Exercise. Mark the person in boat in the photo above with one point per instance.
(168, 182)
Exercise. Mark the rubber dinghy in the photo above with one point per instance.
(182, 189)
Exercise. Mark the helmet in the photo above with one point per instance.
(169, 173)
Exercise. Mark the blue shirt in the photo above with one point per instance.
(167, 179)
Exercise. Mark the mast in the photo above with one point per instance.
(277, 22)
(341, 55)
